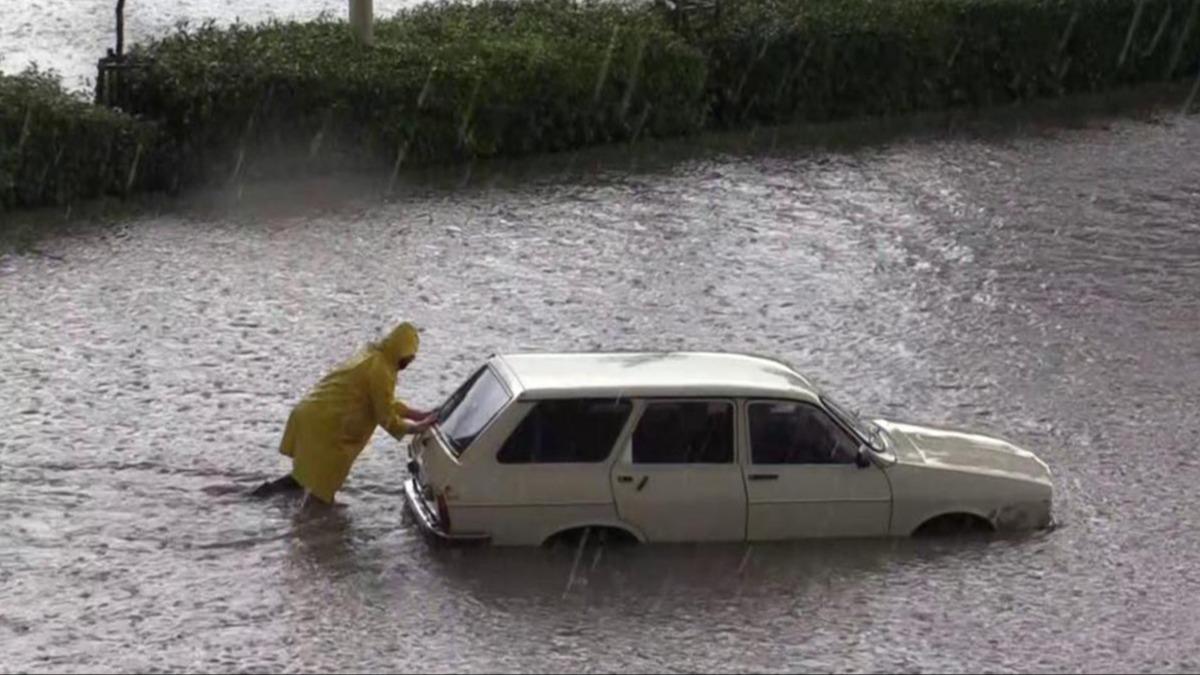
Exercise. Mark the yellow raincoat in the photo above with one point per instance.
(330, 427)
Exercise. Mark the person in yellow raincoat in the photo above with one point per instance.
(329, 428)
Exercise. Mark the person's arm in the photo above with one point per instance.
(389, 413)
(410, 413)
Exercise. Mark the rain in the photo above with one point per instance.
(1028, 271)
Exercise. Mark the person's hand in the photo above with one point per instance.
(424, 424)
(417, 415)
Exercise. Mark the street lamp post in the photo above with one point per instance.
(361, 15)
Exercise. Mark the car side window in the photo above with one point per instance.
(797, 433)
(566, 431)
(684, 432)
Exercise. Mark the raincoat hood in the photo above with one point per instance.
(401, 343)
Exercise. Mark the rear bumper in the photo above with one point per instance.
(428, 522)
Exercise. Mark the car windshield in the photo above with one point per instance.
(465, 414)
(865, 430)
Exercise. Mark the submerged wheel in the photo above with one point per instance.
(598, 535)
(954, 525)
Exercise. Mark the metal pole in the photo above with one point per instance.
(362, 14)
(120, 28)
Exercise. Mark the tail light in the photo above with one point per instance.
(443, 512)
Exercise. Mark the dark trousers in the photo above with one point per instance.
(285, 485)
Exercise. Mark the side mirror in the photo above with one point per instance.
(863, 458)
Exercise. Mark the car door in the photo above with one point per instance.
(802, 479)
(677, 478)
(550, 473)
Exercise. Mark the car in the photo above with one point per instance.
(697, 447)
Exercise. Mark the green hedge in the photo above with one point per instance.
(453, 80)
(780, 60)
(56, 147)
(444, 82)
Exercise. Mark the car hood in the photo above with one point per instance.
(963, 451)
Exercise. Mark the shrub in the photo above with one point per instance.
(56, 147)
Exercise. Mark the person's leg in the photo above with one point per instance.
(285, 485)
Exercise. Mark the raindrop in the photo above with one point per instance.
(1133, 24)
(1162, 29)
(641, 123)
(745, 559)
(575, 566)
(633, 78)
(1066, 36)
(466, 179)
(612, 46)
(762, 50)
(425, 89)
(465, 127)
(1187, 106)
(241, 157)
(25, 128)
(1182, 39)
(315, 145)
(133, 168)
(958, 48)
(1063, 68)
(401, 153)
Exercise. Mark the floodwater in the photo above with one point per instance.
(1041, 285)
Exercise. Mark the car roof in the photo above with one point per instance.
(652, 374)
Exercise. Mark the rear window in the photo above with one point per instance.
(568, 431)
(468, 410)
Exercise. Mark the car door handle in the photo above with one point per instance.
(764, 476)
(629, 479)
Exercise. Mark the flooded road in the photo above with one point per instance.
(1041, 286)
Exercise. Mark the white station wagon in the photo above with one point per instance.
(691, 447)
